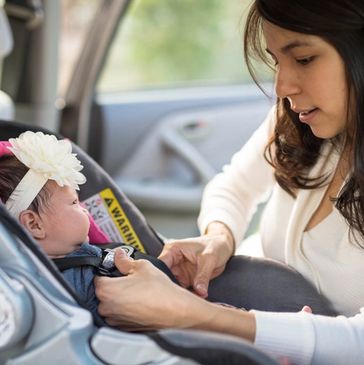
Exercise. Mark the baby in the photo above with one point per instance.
(39, 176)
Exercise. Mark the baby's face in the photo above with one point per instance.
(66, 223)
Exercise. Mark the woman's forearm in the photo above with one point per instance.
(120, 298)
(217, 318)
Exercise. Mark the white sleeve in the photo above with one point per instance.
(306, 338)
(232, 196)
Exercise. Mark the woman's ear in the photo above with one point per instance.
(32, 223)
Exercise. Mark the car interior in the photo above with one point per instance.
(41, 319)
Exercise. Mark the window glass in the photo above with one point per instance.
(175, 43)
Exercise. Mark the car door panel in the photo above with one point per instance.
(162, 154)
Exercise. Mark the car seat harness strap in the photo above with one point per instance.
(104, 264)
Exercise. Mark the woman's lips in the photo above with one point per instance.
(307, 117)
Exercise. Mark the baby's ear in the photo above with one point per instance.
(32, 223)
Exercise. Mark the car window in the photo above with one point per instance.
(176, 43)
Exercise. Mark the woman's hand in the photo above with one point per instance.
(146, 299)
(195, 261)
(306, 309)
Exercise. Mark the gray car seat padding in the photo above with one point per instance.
(268, 285)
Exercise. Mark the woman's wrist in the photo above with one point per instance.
(219, 228)
(232, 321)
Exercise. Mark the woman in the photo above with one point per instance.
(309, 156)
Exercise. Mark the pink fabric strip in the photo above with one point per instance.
(4, 148)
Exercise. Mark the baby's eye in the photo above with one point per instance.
(305, 61)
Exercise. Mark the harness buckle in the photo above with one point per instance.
(108, 260)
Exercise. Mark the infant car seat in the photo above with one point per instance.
(42, 321)
(247, 282)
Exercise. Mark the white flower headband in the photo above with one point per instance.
(47, 159)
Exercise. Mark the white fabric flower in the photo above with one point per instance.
(47, 155)
(47, 159)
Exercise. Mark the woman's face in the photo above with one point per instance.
(310, 73)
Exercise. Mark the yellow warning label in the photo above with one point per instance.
(120, 220)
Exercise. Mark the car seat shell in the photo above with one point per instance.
(56, 329)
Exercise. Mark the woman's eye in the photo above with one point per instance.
(305, 61)
(274, 61)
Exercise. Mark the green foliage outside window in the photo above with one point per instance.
(174, 43)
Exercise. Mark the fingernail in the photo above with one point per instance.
(119, 252)
(201, 288)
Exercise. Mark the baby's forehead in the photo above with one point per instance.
(60, 191)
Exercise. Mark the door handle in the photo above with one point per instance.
(174, 141)
(171, 196)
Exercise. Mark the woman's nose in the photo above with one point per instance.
(286, 83)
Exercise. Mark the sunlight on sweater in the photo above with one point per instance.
(250, 246)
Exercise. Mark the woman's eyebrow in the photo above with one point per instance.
(291, 45)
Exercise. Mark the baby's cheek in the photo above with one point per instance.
(86, 224)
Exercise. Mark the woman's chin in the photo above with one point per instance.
(324, 134)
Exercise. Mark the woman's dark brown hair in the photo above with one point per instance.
(294, 149)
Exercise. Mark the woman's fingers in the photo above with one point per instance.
(171, 255)
(205, 267)
(123, 262)
(195, 261)
(181, 258)
(306, 309)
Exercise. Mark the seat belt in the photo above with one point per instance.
(66, 263)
